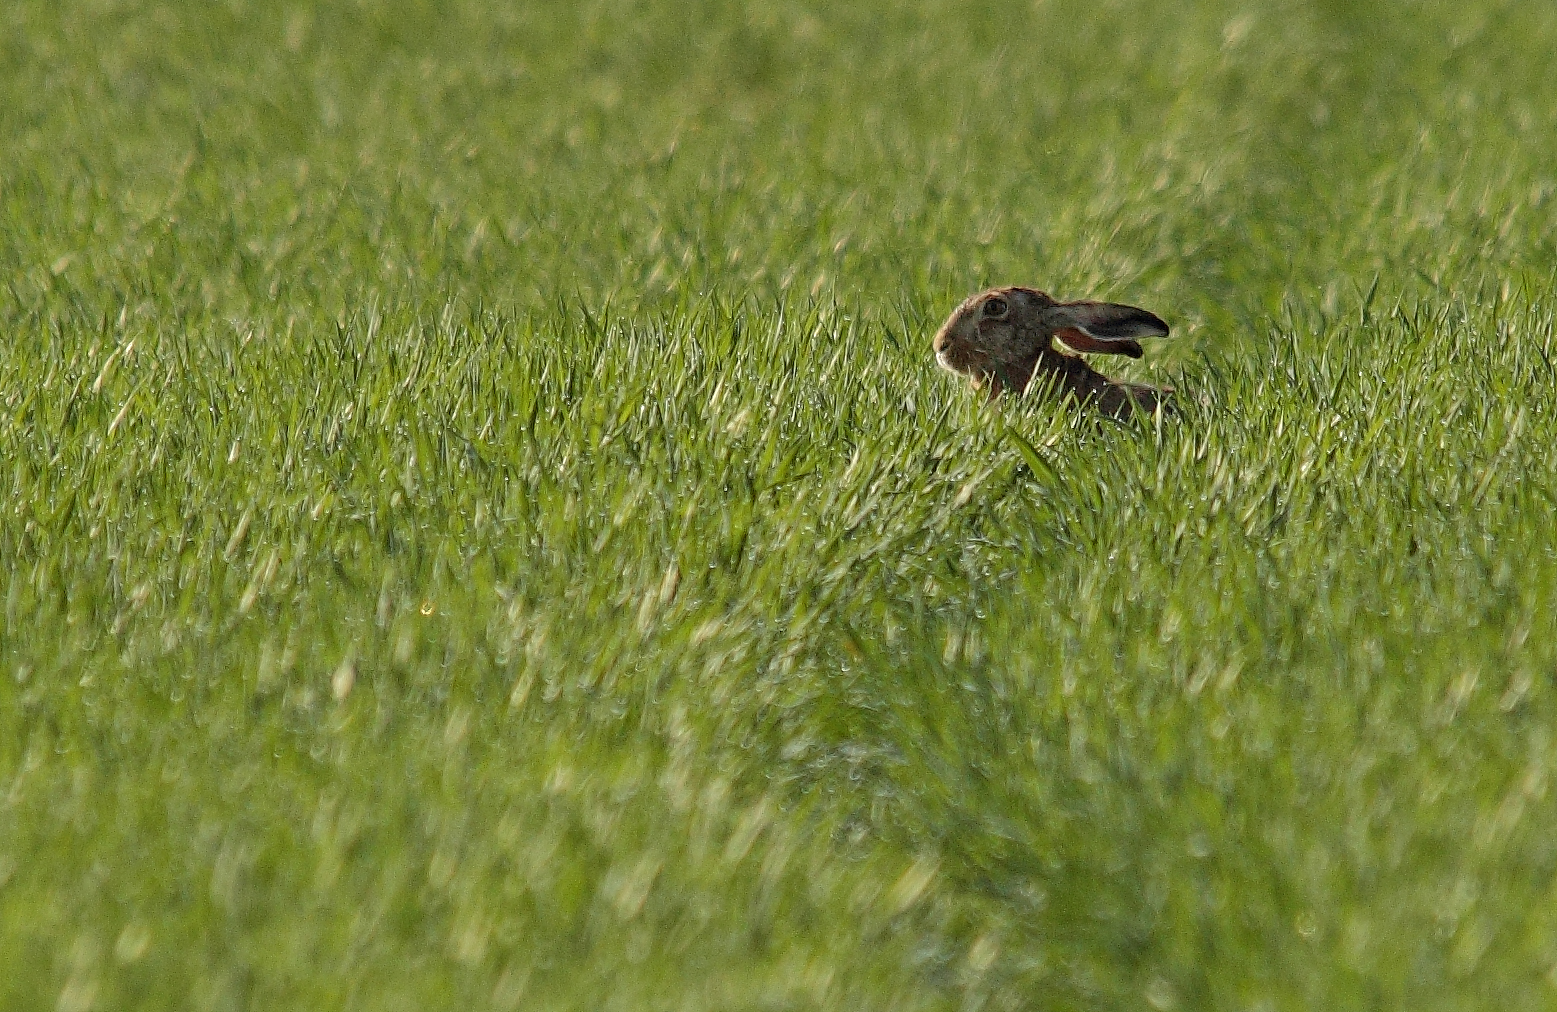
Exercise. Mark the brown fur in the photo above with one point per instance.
(1015, 350)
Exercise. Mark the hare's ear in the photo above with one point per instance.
(1108, 328)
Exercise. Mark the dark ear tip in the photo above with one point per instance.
(1157, 323)
(1132, 350)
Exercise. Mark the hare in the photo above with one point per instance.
(1005, 337)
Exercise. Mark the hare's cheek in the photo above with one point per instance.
(1004, 344)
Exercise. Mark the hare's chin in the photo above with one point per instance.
(947, 362)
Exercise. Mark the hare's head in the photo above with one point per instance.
(995, 331)
(997, 335)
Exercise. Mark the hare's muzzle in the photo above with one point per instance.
(951, 356)
(953, 351)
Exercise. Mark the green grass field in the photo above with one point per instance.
(481, 526)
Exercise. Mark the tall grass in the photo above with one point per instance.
(481, 525)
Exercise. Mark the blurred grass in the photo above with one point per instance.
(482, 527)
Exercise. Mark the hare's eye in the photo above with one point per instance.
(996, 307)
